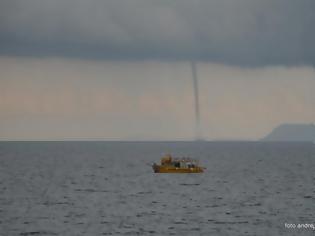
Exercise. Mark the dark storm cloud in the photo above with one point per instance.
(239, 32)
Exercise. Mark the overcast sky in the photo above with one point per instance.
(118, 69)
(240, 32)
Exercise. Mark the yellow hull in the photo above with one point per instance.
(171, 169)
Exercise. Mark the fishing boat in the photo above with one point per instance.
(177, 165)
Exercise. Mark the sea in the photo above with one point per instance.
(109, 188)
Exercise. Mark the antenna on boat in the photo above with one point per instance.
(198, 135)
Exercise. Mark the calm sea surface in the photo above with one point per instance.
(108, 188)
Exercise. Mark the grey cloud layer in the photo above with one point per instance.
(239, 32)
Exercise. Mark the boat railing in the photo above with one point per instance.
(185, 159)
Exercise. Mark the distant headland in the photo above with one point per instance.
(292, 132)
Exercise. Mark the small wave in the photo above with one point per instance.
(89, 190)
(184, 184)
(37, 233)
(230, 222)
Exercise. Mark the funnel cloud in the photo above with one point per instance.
(196, 97)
